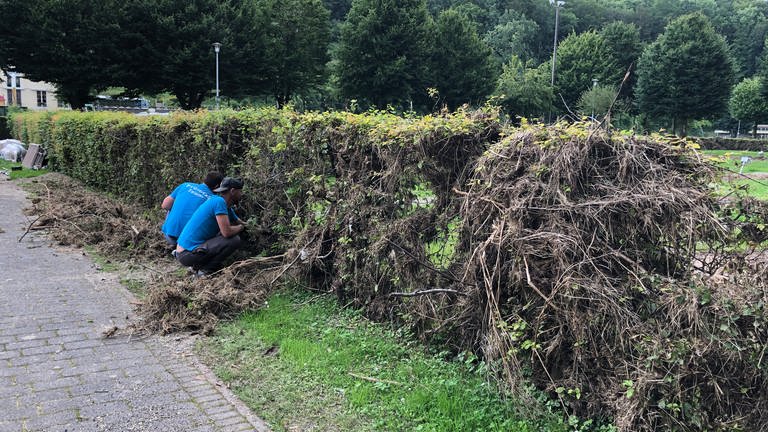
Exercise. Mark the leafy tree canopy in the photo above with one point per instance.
(623, 40)
(747, 102)
(524, 90)
(582, 58)
(384, 52)
(66, 43)
(686, 73)
(514, 35)
(297, 33)
(461, 66)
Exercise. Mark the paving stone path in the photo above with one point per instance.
(58, 373)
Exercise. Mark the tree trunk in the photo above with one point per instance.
(754, 129)
(76, 95)
(189, 100)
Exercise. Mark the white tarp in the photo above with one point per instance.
(12, 150)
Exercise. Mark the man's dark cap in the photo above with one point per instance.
(229, 183)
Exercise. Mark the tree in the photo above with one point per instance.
(523, 90)
(149, 46)
(338, 8)
(747, 102)
(580, 59)
(513, 36)
(297, 45)
(383, 54)
(67, 43)
(744, 24)
(461, 65)
(187, 68)
(686, 73)
(624, 42)
(596, 101)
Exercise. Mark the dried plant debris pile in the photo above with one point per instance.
(590, 260)
(186, 304)
(73, 215)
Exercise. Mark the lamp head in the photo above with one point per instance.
(216, 46)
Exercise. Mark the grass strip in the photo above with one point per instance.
(13, 171)
(305, 364)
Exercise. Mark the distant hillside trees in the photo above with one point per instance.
(686, 73)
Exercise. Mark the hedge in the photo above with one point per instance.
(742, 144)
(563, 254)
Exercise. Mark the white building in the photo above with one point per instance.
(33, 95)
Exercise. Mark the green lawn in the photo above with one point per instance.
(15, 170)
(757, 186)
(303, 363)
(731, 160)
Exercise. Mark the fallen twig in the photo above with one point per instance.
(29, 228)
(425, 292)
(375, 380)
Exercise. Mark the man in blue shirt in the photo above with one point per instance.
(183, 201)
(211, 235)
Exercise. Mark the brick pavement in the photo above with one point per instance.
(57, 372)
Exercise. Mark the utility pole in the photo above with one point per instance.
(557, 4)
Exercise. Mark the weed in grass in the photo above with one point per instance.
(369, 374)
(135, 286)
(102, 262)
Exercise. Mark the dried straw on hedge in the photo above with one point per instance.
(581, 254)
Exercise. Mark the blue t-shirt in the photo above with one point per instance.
(187, 197)
(202, 226)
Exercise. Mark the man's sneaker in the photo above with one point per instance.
(174, 254)
(202, 273)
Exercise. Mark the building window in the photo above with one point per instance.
(14, 100)
(42, 98)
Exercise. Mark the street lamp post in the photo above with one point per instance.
(594, 86)
(557, 4)
(217, 48)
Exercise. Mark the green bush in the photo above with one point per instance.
(5, 131)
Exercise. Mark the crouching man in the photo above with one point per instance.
(182, 203)
(211, 235)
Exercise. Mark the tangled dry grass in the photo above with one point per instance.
(176, 304)
(604, 268)
(74, 215)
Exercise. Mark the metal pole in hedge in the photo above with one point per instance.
(217, 48)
